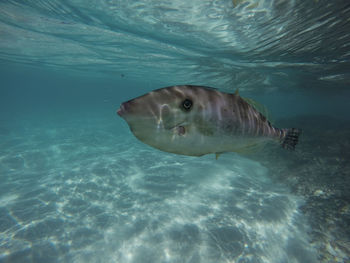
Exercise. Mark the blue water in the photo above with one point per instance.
(77, 186)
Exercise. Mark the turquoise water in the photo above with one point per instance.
(77, 186)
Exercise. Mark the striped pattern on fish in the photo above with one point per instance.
(196, 120)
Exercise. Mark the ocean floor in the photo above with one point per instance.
(85, 190)
(319, 171)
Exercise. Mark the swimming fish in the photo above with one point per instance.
(196, 120)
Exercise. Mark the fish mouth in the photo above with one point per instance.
(122, 110)
(126, 108)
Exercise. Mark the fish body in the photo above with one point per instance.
(196, 120)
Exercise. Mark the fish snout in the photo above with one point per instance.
(124, 109)
(120, 112)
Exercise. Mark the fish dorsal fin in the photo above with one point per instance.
(237, 92)
(217, 155)
(259, 107)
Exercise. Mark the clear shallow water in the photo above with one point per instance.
(76, 186)
(67, 195)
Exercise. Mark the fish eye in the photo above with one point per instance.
(187, 104)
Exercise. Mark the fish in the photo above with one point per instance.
(197, 120)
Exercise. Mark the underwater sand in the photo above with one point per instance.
(88, 191)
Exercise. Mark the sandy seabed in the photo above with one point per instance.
(90, 192)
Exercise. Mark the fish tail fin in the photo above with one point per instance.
(291, 138)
